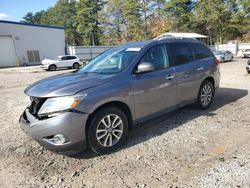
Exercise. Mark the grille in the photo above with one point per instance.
(36, 104)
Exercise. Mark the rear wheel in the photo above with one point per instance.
(76, 65)
(206, 95)
(107, 130)
(52, 68)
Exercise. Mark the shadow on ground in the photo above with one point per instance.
(159, 125)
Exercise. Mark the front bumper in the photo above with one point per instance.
(45, 67)
(70, 124)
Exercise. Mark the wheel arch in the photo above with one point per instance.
(123, 106)
(210, 79)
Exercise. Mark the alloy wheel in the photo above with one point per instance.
(109, 130)
(206, 95)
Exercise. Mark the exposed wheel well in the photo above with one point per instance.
(124, 107)
(210, 79)
(52, 65)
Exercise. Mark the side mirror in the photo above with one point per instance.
(60, 59)
(144, 67)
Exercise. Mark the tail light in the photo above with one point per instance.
(217, 61)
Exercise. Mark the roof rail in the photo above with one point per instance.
(162, 37)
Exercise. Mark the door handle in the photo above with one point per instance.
(200, 68)
(170, 77)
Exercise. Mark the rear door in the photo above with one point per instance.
(204, 59)
(185, 66)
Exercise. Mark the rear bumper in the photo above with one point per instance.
(70, 124)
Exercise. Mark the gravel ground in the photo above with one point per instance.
(185, 148)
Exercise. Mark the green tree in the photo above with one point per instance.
(88, 20)
(179, 14)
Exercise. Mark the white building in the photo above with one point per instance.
(28, 44)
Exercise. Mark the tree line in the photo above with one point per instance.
(111, 22)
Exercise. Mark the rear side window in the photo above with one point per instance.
(180, 53)
(72, 57)
(200, 51)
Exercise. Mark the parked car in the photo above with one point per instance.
(66, 61)
(97, 105)
(245, 53)
(248, 66)
(223, 56)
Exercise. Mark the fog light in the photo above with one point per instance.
(59, 139)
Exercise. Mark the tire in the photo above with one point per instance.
(114, 137)
(52, 68)
(76, 65)
(248, 72)
(203, 99)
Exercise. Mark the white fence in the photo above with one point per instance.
(235, 48)
(87, 53)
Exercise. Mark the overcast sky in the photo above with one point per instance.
(14, 10)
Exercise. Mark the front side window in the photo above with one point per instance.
(64, 58)
(200, 51)
(111, 61)
(157, 55)
(180, 53)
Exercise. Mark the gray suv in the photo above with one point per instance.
(97, 105)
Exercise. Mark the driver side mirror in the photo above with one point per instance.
(144, 67)
(60, 59)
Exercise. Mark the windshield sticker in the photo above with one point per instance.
(133, 49)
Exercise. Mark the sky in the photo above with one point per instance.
(15, 10)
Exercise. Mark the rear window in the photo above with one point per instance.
(200, 51)
(180, 53)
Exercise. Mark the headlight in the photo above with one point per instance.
(57, 104)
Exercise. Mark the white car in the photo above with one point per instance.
(245, 53)
(66, 61)
(223, 56)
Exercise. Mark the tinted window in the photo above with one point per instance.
(200, 51)
(64, 58)
(71, 57)
(180, 53)
(157, 55)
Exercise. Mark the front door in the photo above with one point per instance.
(155, 91)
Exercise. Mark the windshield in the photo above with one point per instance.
(111, 61)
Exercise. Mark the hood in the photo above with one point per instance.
(47, 61)
(65, 84)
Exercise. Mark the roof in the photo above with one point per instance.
(181, 35)
(33, 25)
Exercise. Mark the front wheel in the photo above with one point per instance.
(107, 130)
(76, 66)
(52, 68)
(206, 95)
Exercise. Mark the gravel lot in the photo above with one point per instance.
(185, 148)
